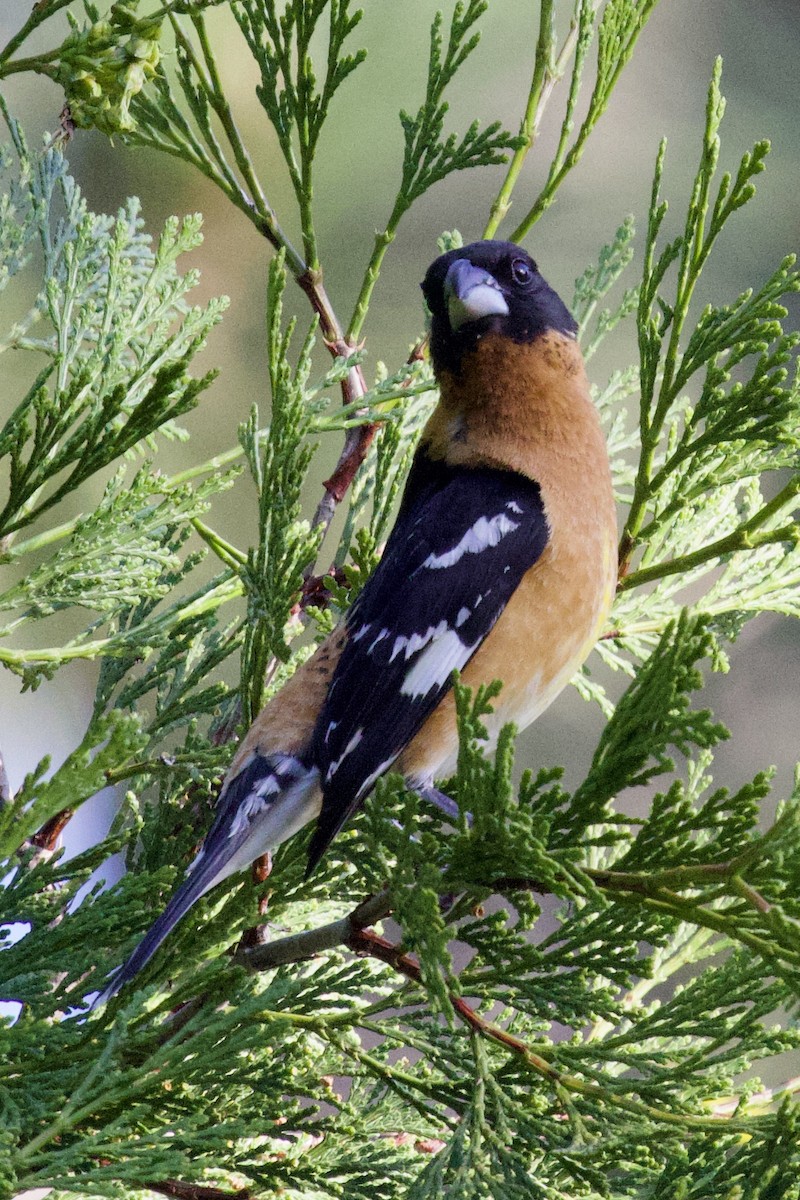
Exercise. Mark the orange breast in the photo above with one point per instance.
(529, 408)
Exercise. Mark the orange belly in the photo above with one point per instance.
(543, 636)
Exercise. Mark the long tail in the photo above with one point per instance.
(261, 807)
(190, 890)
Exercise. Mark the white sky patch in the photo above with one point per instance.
(349, 748)
(486, 532)
(435, 665)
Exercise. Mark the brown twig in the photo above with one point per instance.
(256, 935)
(352, 931)
(626, 548)
(356, 444)
(315, 592)
(196, 1191)
(357, 441)
(365, 942)
(305, 945)
(311, 283)
(47, 837)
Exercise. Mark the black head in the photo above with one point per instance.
(488, 287)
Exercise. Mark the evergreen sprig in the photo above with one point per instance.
(429, 155)
(280, 42)
(273, 573)
(115, 370)
(617, 32)
(112, 328)
(726, 415)
(122, 552)
(718, 410)
(596, 282)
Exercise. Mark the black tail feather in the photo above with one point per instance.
(187, 894)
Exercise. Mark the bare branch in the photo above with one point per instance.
(195, 1191)
(305, 945)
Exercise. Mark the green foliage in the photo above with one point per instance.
(280, 43)
(103, 65)
(595, 283)
(652, 716)
(114, 370)
(579, 999)
(428, 158)
(273, 573)
(616, 31)
(697, 511)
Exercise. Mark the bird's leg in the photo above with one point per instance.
(444, 803)
(447, 805)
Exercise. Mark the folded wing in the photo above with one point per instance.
(463, 540)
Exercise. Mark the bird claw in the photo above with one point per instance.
(443, 802)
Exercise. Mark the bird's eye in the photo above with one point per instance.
(521, 271)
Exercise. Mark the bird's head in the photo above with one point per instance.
(488, 287)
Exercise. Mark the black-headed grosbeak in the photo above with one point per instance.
(502, 565)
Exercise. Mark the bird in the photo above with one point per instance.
(501, 565)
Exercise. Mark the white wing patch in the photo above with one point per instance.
(384, 633)
(376, 774)
(349, 748)
(253, 804)
(435, 665)
(281, 772)
(416, 641)
(486, 532)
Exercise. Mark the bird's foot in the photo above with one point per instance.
(443, 802)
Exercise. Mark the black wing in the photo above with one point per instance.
(463, 540)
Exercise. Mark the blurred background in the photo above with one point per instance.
(662, 92)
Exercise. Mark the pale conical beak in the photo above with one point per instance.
(471, 293)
